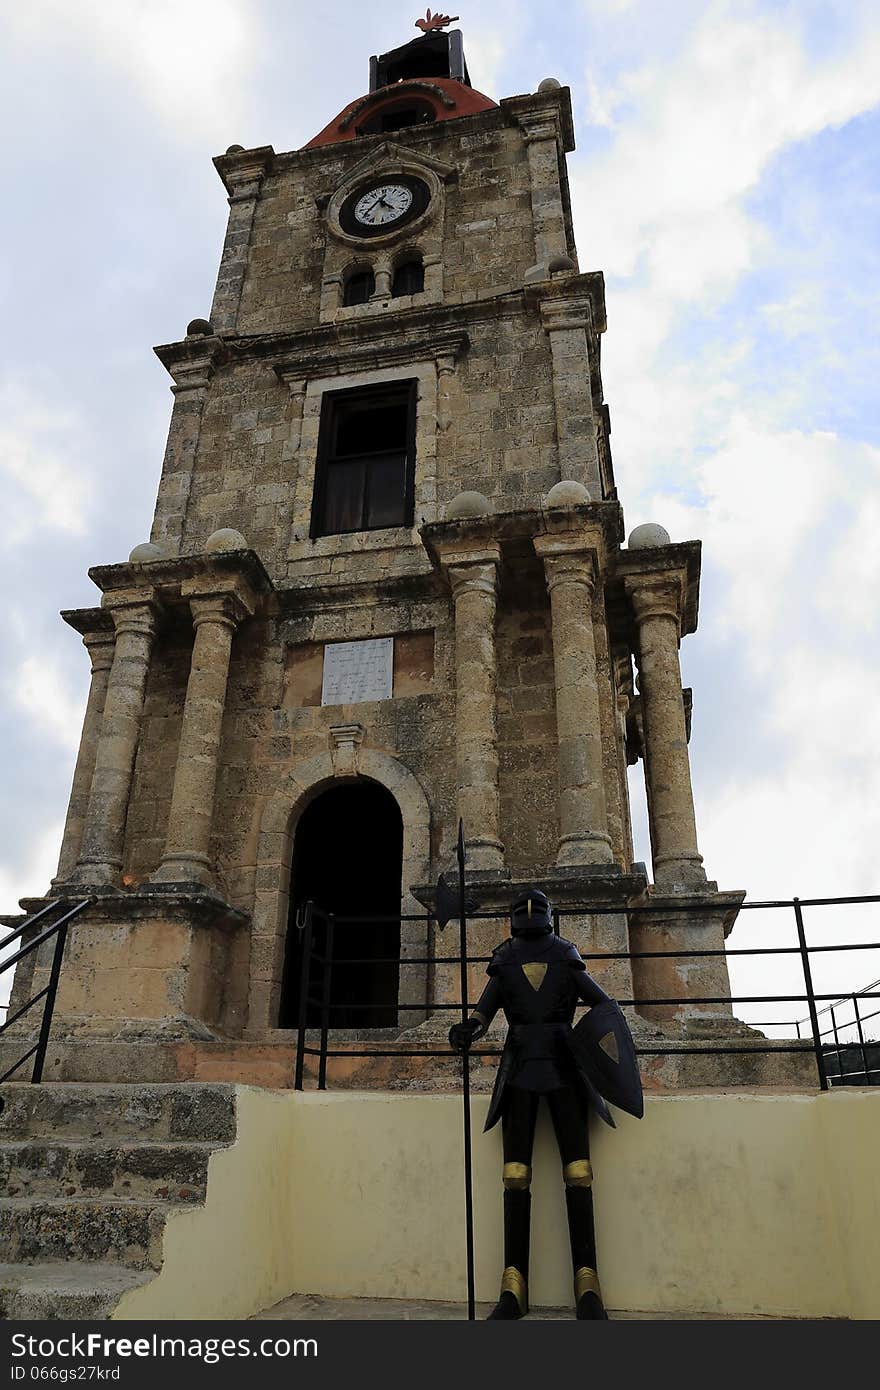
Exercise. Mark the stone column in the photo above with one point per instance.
(242, 173)
(191, 364)
(657, 605)
(100, 858)
(190, 819)
(568, 324)
(473, 579)
(541, 133)
(100, 646)
(571, 572)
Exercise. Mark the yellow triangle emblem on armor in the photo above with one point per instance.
(608, 1044)
(535, 974)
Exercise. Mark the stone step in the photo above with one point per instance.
(85, 1229)
(42, 1292)
(199, 1111)
(174, 1171)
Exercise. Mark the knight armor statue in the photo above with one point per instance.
(538, 979)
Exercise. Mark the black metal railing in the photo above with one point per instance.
(318, 930)
(58, 930)
(866, 1049)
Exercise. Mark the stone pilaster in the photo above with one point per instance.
(657, 602)
(541, 131)
(242, 172)
(567, 321)
(216, 616)
(100, 857)
(191, 364)
(473, 578)
(99, 642)
(571, 569)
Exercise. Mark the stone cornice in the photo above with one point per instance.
(512, 527)
(341, 358)
(579, 886)
(427, 326)
(570, 301)
(658, 563)
(172, 580)
(164, 902)
(242, 171)
(89, 622)
(192, 361)
(554, 105)
(297, 600)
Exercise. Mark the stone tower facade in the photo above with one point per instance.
(387, 559)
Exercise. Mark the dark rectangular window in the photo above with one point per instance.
(366, 460)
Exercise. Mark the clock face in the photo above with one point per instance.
(380, 207)
(383, 205)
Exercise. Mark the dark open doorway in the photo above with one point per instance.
(348, 859)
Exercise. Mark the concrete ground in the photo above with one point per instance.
(303, 1307)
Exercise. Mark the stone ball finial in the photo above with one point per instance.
(146, 551)
(468, 504)
(235, 149)
(549, 84)
(567, 493)
(557, 263)
(225, 539)
(199, 328)
(648, 535)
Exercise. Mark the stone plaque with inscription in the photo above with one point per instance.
(358, 671)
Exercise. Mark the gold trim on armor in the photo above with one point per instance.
(516, 1176)
(513, 1282)
(578, 1173)
(586, 1280)
(535, 972)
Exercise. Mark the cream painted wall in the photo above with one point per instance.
(714, 1203)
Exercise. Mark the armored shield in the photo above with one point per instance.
(603, 1047)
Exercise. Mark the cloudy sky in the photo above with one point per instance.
(726, 180)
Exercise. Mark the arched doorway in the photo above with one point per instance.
(348, 859)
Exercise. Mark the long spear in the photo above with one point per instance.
(466, 1080)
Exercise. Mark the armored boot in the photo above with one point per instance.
(513, 1301)
(578, 1177)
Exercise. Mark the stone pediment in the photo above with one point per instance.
(390, 155)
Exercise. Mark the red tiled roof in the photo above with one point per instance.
(449, 99)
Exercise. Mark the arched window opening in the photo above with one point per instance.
(397, 115)
(358, 287)
(409, 278)
(348, 859)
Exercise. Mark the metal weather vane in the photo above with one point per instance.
(435, 21)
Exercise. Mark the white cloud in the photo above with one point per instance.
(662, 210)
(41, 695)
(190, 60)
(698, 134)
(44, 479)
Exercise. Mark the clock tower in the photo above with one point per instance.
(387, 586)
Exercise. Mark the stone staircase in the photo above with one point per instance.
(88, 1177)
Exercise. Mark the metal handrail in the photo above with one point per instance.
(58, 929)
(308, 1001)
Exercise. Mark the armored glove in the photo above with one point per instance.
(462, 1035)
